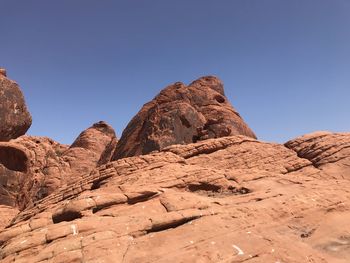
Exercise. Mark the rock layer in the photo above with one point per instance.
(232, 199)
(181, 114)
(15, 119)
(327, 151)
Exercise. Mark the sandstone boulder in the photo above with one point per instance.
(15, 119)
(181, 114)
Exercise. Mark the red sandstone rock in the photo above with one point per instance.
(7, 213)
(329, 152)
(232, 199)
(87, 149)
(33, 167)
(220, 199)
(108, 152)
(181, 114)
(15, 119)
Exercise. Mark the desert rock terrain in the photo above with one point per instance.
(188, 181)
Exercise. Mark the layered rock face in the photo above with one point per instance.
(232, 199)
(181, 114)
(15, 119)
(327, 151)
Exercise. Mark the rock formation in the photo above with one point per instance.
(15, 119)
(327, 151)
(88, 148)
(181, 114)
(232, 199)
(33, 167)
(217, 199)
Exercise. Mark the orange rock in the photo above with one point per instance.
(33, 167)
(197, 195)
(15, 119)
(219, 200)
(181, 114)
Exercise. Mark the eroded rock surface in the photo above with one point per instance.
(33, 167)
(231, 199)
(15, 119)
(327, 151)
(206, 190)
(87, 149)
(181, 114)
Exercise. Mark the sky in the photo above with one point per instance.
(285, 64)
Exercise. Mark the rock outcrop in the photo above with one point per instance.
(327, 151)
(232, 199)
(15, 119)
(32, 167)
(181, 114)
(198, 187)
(87, 149)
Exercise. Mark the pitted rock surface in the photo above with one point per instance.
(15, 119)
(232, 199)
(181, 114)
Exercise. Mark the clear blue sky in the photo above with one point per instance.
(285, 64)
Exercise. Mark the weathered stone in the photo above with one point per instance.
(226, 199)
(31, 167)
(327, 151)
(181, 114)
(15, 119)
(85, 152)
(7, 213)
(209, 192)
(3, 72)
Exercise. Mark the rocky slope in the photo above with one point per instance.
(219, 199)
(231, 199)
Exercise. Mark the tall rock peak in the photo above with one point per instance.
(182, 114)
